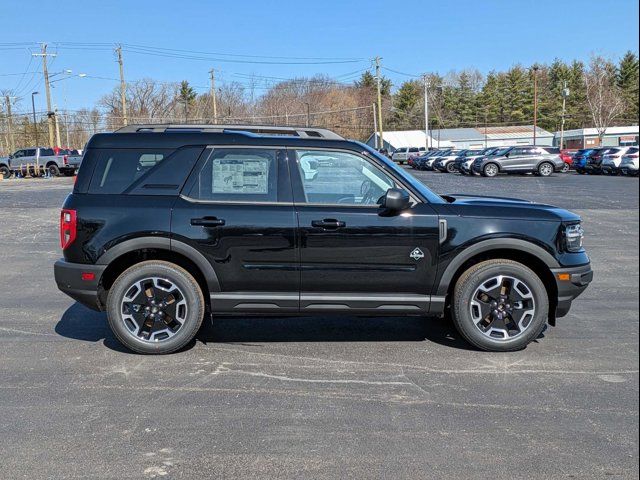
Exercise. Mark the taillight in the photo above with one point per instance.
(65, 159)
(68, 227)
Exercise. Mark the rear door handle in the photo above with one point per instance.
(207, 222)
(328, 224)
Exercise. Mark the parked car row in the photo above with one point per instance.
(489, 162)
(607, 161)
(38, 160)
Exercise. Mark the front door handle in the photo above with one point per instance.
(207, 222)
(328, 224)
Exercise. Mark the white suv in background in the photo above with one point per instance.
(612, 159)
(402, 154)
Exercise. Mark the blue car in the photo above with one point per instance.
(580, 159)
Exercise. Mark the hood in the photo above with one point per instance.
(506, 206)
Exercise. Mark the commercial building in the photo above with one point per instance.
(479, 137)
(588, 137)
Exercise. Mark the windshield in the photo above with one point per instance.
(403, 174)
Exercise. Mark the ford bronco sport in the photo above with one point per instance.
(168, 225)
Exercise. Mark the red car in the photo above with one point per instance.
(567, 157)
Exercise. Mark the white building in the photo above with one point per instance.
(479, 137)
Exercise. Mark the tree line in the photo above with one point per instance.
(602, 93)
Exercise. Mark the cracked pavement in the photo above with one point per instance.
(322, 397)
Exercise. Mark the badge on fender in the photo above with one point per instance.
(416, 254)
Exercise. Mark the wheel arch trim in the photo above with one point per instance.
(168, 244)
(487, 246)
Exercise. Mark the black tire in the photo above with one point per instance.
(566, 167)
(5, 172)
(451, 167)
(580, 171)
(469, 283)
(180, 278)
(545, 169)
(53, 170)
(490, 170)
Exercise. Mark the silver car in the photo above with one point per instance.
(525, 159)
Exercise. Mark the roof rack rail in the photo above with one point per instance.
(306, 132)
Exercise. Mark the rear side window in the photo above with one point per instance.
(117, 169)
(47, 152)
(238, 175)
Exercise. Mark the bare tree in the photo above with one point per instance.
(604, 98)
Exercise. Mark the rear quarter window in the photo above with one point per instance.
(118, 169)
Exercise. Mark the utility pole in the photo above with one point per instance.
(123, 87)
(47, 87)
(377, 60)
(426, 110)
(57, 127)
(212, 93)
(33, 110)
(535, 103)
(375, 127)
(308, 114)
(565, 94)
(10, 123)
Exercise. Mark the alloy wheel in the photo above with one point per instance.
(153, 309)
(502, 307)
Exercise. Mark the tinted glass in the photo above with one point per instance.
(348, 180)
(30, 153)
(413, 149)
(632, 150)
(117, 169)
(238, 175)
(552, 149)
(47, 152)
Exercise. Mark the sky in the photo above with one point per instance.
(286, 39)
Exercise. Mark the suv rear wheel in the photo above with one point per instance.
(451, 167)
(500, 305)
(5, 172)
(545, 169)
(155, 307)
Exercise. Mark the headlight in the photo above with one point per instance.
(573, 235)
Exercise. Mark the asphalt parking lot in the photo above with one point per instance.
(322, 397)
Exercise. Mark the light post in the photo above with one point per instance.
(69, 75)
(33, 110)
(565, 95)
(308, 114)
(535, 103)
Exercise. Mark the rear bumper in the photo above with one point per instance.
(577, 281)
(69, 280)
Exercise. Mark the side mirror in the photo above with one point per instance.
(396, 199)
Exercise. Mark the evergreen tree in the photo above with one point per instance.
(627, 80)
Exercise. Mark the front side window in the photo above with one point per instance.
(238, 174)
(333, 177)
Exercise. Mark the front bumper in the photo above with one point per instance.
(571, 282)
(69, 277)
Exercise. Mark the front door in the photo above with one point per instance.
(356, 256)
(237, 210)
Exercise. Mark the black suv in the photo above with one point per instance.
(167, 225)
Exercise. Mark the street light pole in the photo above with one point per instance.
(308, 114)
(565, 94)
(33, 110)
(426, 111)
(535, 103)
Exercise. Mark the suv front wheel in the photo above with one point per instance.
(155, 307)
(500, 305)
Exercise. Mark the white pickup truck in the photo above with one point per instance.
(26, 160)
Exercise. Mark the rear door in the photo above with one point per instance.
(237, 210)
(356, 256)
